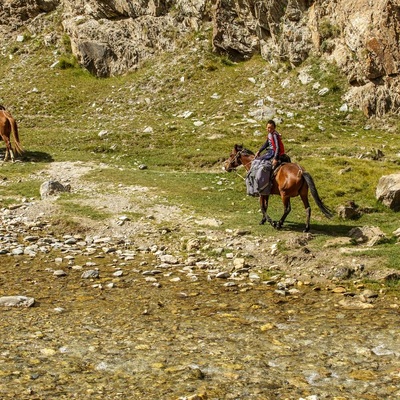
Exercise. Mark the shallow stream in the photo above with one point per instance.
(175, 338)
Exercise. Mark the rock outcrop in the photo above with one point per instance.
(388, 191)
(111, 37)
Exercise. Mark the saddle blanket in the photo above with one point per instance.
(258, 178)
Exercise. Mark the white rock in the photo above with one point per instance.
(285, 83)
(323, 91)
(305, 78)
(103, 133)
(16, 301)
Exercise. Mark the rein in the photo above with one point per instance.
(237, 173)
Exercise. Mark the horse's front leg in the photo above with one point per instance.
(8, 151)
(264, 208)
(9, 155)
(6, 155)
(286, 210)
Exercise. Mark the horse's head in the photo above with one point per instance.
(234, 159)
(239, 156)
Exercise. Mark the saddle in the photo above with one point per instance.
(283, 159)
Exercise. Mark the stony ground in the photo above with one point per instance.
(301, 260)
(132, 309)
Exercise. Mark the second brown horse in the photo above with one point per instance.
(288, 180)
(8, 126)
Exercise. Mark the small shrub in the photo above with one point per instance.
(227, 61)
(14, 49)
(327, 30)
(211, 66)
(327, 46)
(67, 62)
(66, 41)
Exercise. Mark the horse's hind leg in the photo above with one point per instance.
(286, 210)
(11, 154)
(304, 198)
(6, 140)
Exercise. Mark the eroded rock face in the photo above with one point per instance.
(360, 36)
(111, 37)
(15, 12)
(277, 29)
(367, 51)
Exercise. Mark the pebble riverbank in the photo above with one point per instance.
(140, 318)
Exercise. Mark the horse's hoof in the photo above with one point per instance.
(307, 229)
(278, 225)
(262, 222)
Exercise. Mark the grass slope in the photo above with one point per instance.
(181, 114)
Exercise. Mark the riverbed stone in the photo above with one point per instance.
(91, 274)
(17, 301)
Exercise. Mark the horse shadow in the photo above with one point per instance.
(319, 229)
(32, 156)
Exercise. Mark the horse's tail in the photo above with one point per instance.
(14, 129)
(310, 182)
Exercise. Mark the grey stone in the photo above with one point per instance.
(16, 301)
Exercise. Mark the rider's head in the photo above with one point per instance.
(271, 126)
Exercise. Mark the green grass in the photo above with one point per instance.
(75, 209)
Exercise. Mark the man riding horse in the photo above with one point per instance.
(289, 180)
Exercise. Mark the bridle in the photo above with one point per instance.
(236, 162)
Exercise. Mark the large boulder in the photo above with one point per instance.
(388, 191)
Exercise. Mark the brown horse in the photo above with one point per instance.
(8, 126)
(288, 180)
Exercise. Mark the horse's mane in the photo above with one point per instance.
(2, 107)
(246, 152)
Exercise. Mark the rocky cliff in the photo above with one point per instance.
(111, 37)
